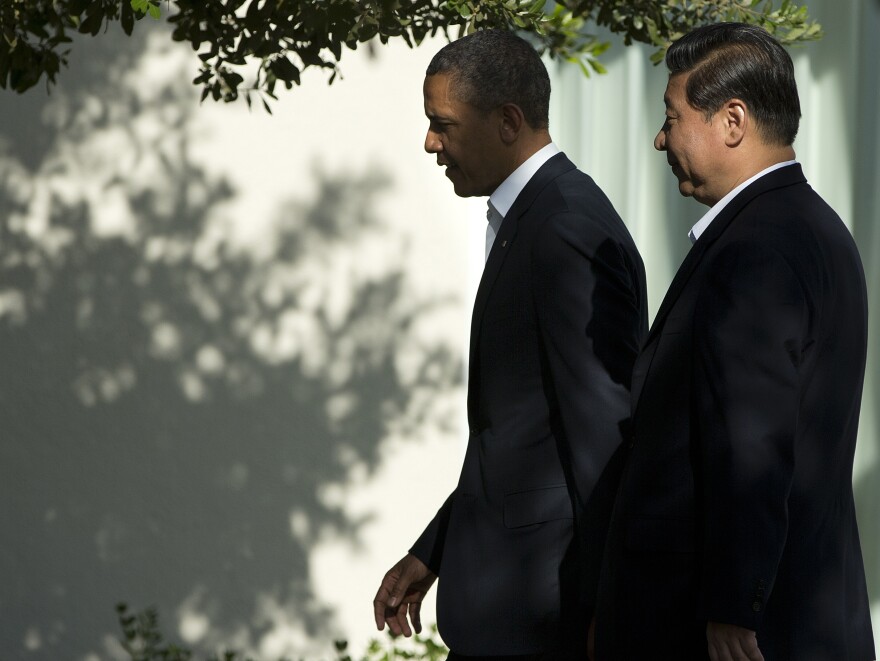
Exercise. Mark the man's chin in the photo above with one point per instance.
(462, 190)
(464, 187)
(700, 196)
(685, 188)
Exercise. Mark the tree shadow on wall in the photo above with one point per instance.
(173, 407)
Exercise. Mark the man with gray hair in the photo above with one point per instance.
(558, 320)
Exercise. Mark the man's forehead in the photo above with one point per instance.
(442, 98)
(436, 100)
(438, 83)
(675, 90)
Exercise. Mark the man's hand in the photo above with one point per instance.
(402, 591)
(731, 643)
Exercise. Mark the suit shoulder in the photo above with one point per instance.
(797, 206)
(581, 191)
(585, 222)
(791, 230)
(796, 221)
(572, 206)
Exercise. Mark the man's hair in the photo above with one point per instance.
(735, 60)
(492, 67)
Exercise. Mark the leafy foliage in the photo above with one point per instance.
(274, 41)
(142, 640)
(424, 647)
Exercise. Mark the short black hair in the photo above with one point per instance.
(736, 60)
(489, 68)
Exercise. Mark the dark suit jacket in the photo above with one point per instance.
(557, 322)
(736, 501)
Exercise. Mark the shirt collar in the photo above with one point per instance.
(701, 225)
(505, 195)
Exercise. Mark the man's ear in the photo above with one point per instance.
(512, 122)
(736, 120)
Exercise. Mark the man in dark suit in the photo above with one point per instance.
(558, 319)
(734, 533)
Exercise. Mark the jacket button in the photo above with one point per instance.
(756, 606)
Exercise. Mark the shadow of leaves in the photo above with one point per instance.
(174, 405)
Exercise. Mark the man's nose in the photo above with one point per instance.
(432, 143)
(660, 140)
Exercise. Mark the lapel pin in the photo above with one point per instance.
(504, 243)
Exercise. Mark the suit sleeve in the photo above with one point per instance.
(751, 335)
(591, 315)
(429, 546)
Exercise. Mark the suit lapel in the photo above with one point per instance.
(554, 167)
(780, 178)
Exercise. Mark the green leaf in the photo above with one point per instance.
(127, 18)
(284, 70)
(92, 24)
(795, 34)
(658, 56)
(77, 7)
